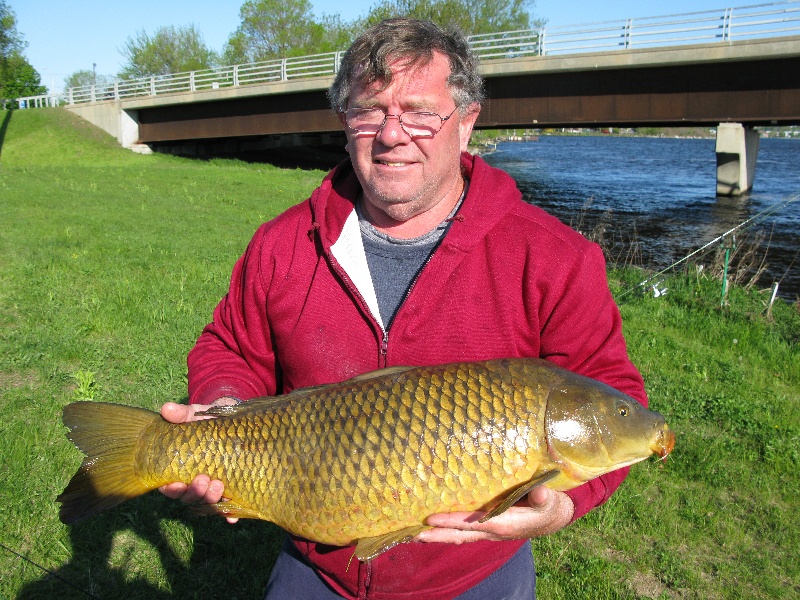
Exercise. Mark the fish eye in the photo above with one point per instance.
(623, 411)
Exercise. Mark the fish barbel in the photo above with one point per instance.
(366, 461)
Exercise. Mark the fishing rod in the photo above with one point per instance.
(46, 570)
(747, 223)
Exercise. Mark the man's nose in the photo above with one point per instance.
(391, 132)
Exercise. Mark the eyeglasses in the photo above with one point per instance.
(370, 121)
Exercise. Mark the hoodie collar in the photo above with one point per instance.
(492, 194)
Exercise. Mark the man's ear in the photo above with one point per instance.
(466, 124)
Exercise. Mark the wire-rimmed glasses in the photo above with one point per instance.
(417, 124)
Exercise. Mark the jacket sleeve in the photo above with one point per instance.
(234, 355)
(582, 331)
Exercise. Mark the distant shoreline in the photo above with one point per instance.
(484, 142)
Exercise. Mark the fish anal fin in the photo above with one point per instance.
(369, 548)
(228, 508)
(514, 494)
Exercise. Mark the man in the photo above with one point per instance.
(412, 252)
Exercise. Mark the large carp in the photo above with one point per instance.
(366, 461)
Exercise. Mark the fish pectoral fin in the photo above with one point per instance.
(228, 508)
(514, 494)
(369, 548)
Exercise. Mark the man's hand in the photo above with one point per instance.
(542, 512)
(202, 488)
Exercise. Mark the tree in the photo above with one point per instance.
(283, 28)
(21, 79)
(10, 39)
(273, 29)
(332, 34)
(169, 50)
(85, 78)
(17, 76)
(471, 16)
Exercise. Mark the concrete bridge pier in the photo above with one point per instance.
(737, 149)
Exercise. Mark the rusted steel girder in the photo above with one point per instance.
(753, 92)
(301, 112)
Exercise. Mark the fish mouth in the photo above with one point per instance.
(664, 442)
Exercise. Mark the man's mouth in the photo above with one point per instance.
(391, 164)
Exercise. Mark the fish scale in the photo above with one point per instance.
(367, 460)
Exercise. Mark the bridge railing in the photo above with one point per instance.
(739, 23)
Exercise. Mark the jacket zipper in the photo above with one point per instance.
(383, 346)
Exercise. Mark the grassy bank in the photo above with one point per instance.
(111, 265)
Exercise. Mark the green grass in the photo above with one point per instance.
(718, 518)
(111, 264)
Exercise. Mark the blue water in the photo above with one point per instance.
(660, 193)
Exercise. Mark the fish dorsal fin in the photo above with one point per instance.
(369, 548)
(514, 494)
(264, 403)
(243, 408)
(380, 373)
(273, 402)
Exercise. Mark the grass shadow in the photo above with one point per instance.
(104, 561)
(4, 128)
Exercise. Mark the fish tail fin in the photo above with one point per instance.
(108, 434)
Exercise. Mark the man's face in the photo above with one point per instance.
(403, 177)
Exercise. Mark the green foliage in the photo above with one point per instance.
(112, 264)
(10, 39)
(87, 386)
(168, 50)
(283, 28)
(275, 29)
(85, 78)
(472, 17)
(17, 76)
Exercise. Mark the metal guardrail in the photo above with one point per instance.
(724, 25)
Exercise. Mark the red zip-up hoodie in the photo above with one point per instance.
(507, 280)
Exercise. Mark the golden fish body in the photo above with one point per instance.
(369, 459)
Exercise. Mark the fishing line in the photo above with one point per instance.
(746, 224)
(53, 573)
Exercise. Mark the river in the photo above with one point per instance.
(660, 195)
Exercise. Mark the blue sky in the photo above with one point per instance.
(64, 37)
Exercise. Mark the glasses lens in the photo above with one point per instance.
(421, 124)
(366, 120)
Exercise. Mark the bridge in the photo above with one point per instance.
(733, 69)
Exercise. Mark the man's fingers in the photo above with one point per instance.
(177, 413)
(185, 413)
(540, 496)
(450, 536)
(173, 490)
(201, 489)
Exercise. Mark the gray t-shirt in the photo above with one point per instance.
(395, 263)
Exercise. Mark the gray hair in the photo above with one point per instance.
(367, 59)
